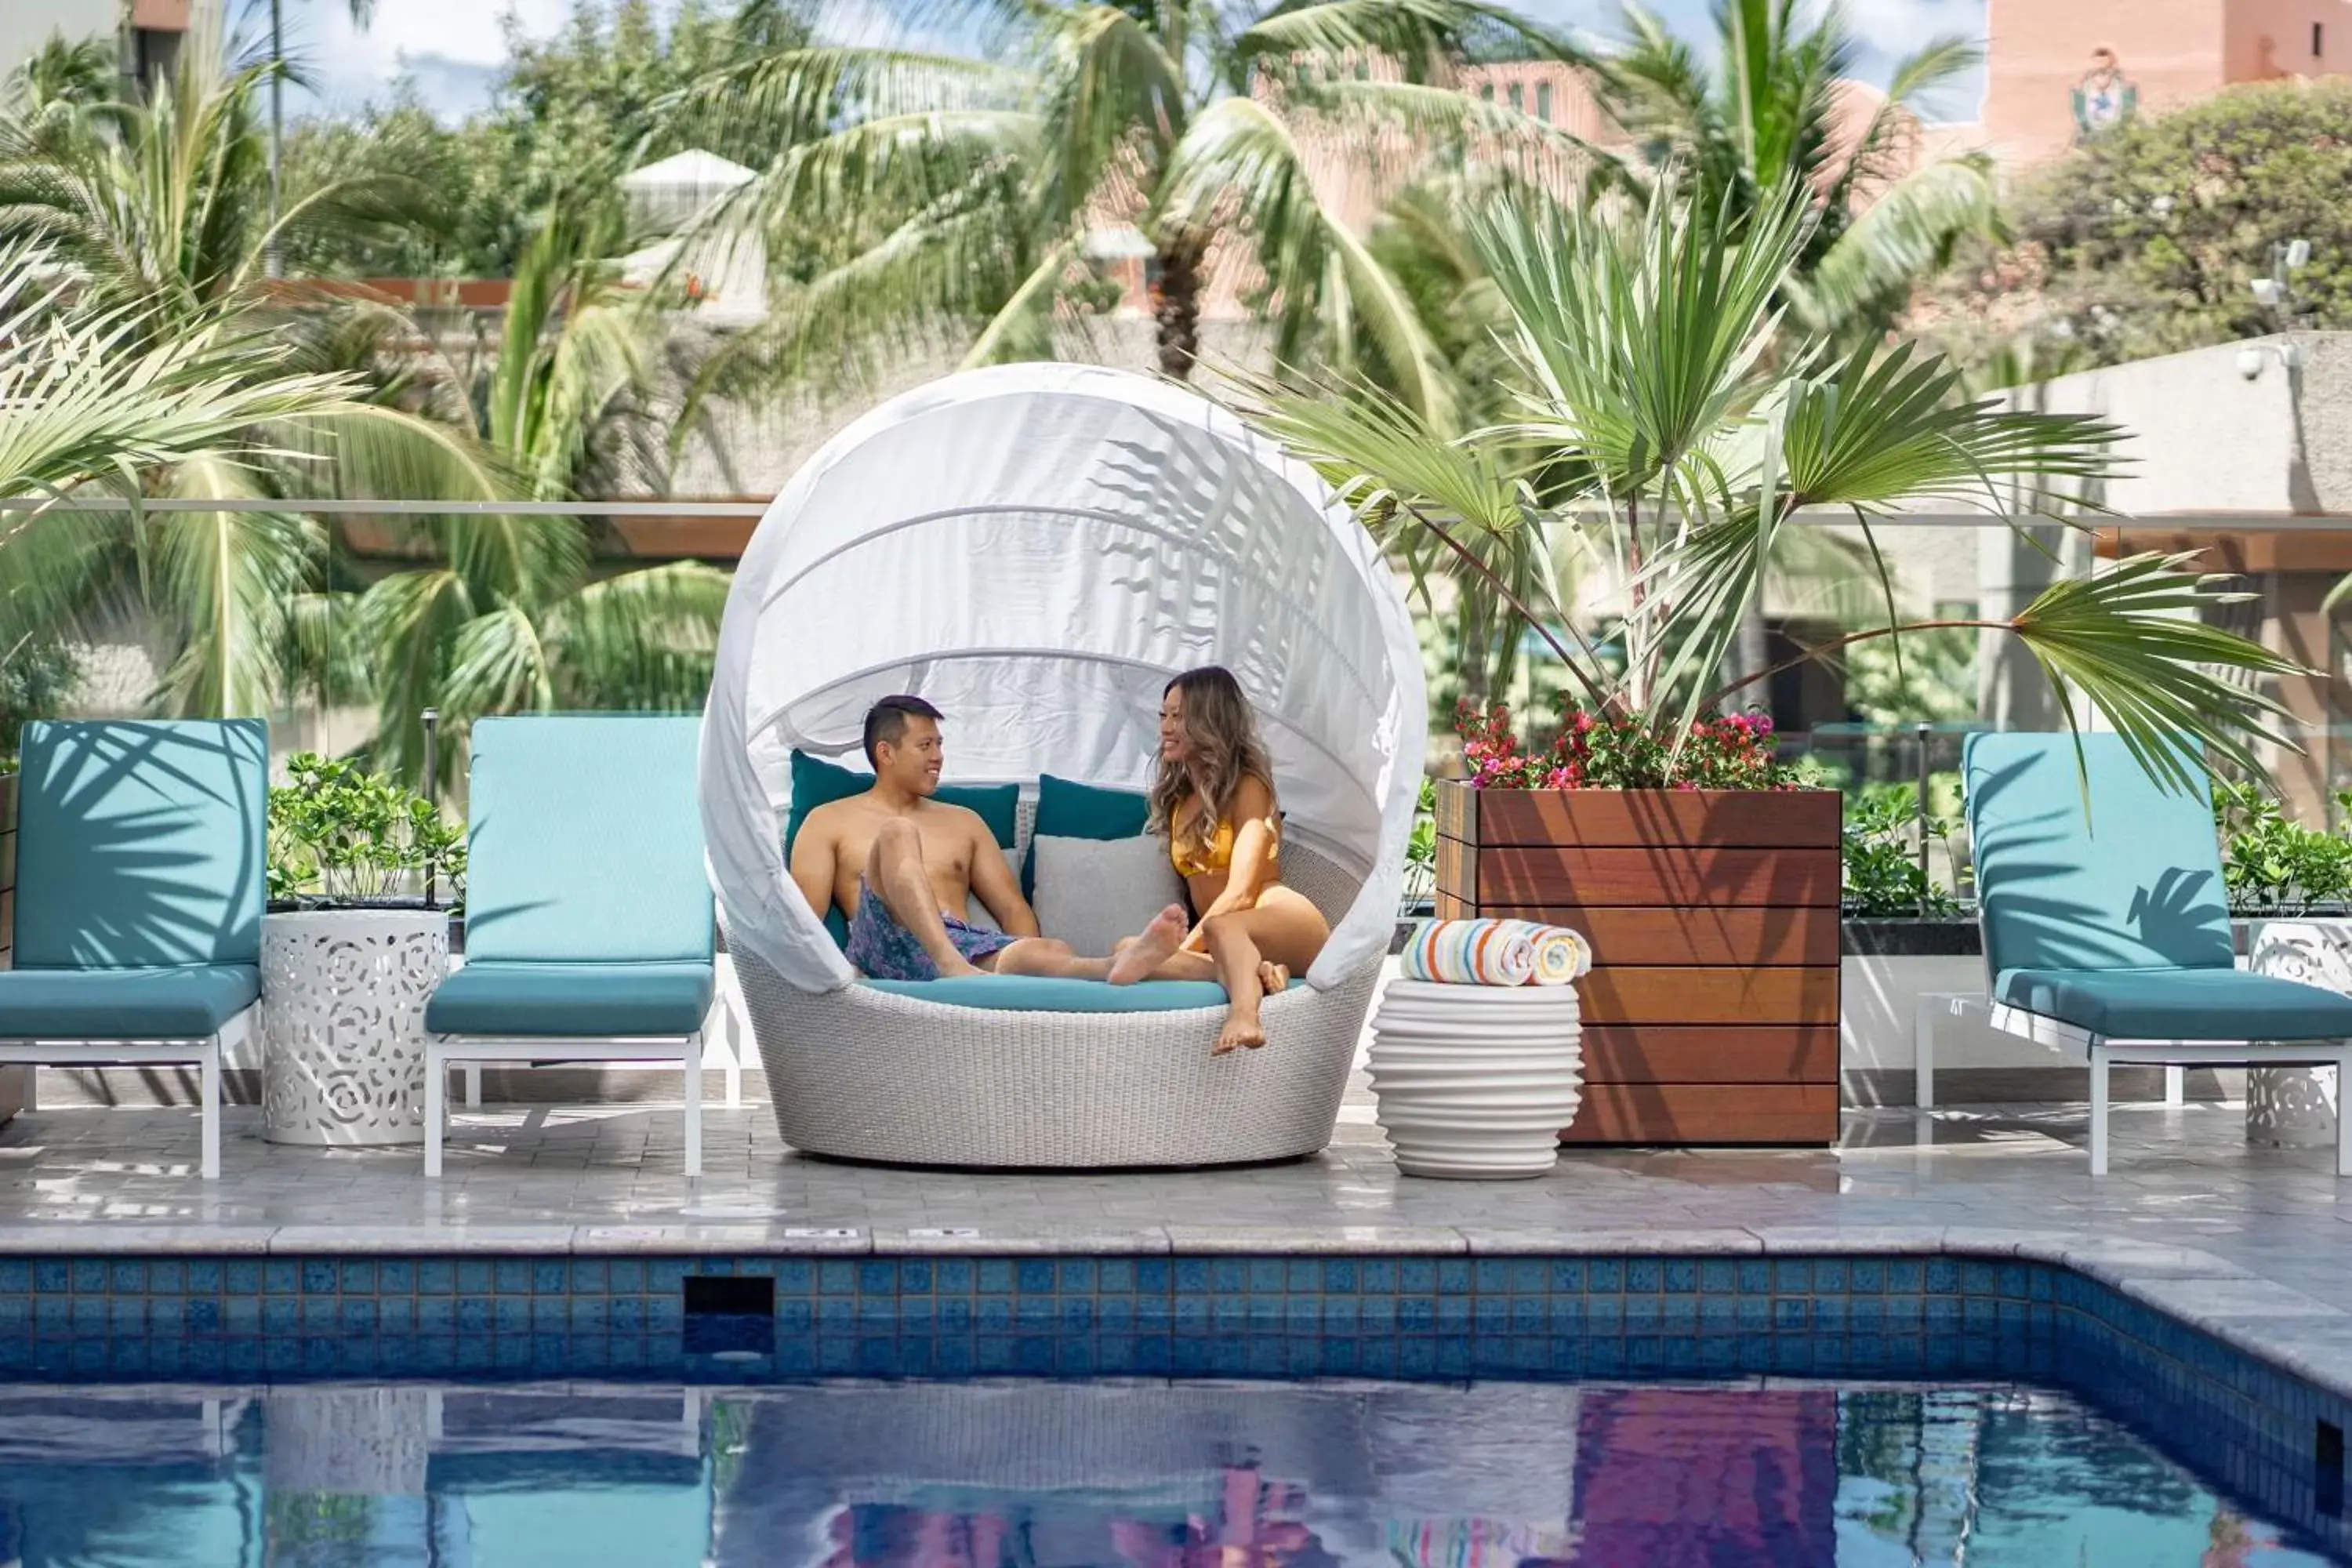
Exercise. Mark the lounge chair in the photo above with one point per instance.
(2110, 937)
(588, 913)
(140, 885)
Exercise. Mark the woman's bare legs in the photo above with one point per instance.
(1255, 951)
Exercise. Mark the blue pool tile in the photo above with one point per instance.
(359, 1315)
(397, 1314)
(1341, 1315)
(1034, 1314)
(1943, 1276)
(1192, 1316)
(1378, 1276)
(1490, 1275)
(127, 1276)
(1266, 1276)
(278, 1314)
(1153, 1276)
(1416, 1315)
(549, 1276)
(1453, 1275)
(52, 1274)
(356, 1277)
(878, 1278)
(90, 1276)
(435, 1315)
(914, 1277)
(993, 1314)
(474, 1276)
(995, 1277)
(955, 1315)
(1792, 1275)
(1304, 1276)
(1568, 1276)
(1644, 1276)
(509, 1277)
(1831, 1277)
(1116, 1314)
(1231, 1314)
(834, 1315)
(49, 1311)
(1078, 1315)
(202, 1314)
(548, 1314)
(1155, 1315)
(799, 1316)
(1197, 1276)
(437, 1276)
(1339, 1275)
(1453, 1315)
(1303, 1314)
(1681, 1275)
(1791, 1314)
(1905, 1277)
(15, 1277)
(1604, 1275)
(666, 1276)
(1116, 1277)
(396, 1277)
(1644, 1314)
(835, 1276)
(1075, 1276)
(474, 1314)
(203, 1276)
(1417, 1276)
(628, 1276)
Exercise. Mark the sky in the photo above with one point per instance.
(452, 47)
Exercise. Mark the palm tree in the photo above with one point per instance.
(1767, 121)
(511, 616)
(966, 188)
(1664, 419)
(153, 215)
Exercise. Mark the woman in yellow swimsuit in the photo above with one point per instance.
(1213, 801)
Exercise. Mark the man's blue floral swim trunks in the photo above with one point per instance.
(882, 949)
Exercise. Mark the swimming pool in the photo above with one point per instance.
(1044, 1474)
(361, 1399)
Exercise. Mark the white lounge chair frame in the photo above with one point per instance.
(442, 1052)
(203, 1051)
(2103, 1052)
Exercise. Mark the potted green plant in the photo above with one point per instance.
(1670, 427)
(355, 941)
(2291, 892)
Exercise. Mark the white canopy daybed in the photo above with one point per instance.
(1037, 548)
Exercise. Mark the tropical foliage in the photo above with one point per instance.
(510, 614)
(974, 194)
(339, 835)
(2148, 240)
(1780, 113)
(1666, 422)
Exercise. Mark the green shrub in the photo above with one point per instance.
(341, 836)
(2273, 866)
(1881, 851)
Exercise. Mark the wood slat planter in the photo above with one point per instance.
(1711, 1014)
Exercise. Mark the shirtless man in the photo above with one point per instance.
(902, 867)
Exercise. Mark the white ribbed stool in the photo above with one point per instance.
(1477, 1082)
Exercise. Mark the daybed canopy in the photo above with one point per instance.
(1037, 548)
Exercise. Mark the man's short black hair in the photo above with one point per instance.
(886, 721)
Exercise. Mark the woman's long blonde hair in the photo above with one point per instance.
(1221, 733)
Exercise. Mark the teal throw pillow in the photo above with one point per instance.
(1067, 809)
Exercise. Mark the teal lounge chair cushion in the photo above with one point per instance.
(142, 845)
(576, 999)
(183, 1003)
(2180, 1004)
(1029, 993)
(1067, 809)
(2134, 884)
(584, 843)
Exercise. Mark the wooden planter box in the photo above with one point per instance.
(1711, 1014)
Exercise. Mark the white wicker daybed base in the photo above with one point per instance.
(862, 1074)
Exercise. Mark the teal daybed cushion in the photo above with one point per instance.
(1030, 993)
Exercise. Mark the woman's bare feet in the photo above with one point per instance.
(1272, 978)
(1152, 947)
(1241, 1029)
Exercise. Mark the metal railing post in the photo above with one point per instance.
(432, 717)
(1925, 732)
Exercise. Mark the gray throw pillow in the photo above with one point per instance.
(975, 913)
(1092, 891)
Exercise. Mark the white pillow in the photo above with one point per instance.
(975, 913)
(1092, 891)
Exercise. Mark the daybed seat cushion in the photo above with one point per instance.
(1031, 993)
(528, 1000)
(155, 1004)
(2180, 1004)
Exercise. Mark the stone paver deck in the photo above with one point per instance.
(2253, 1245)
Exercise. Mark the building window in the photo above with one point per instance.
(1543, 101)
(1519, 98)
(1487, 93)
(2318, 40)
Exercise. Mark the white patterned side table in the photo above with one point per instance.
(1477, 1082)
(342, 1023)
(2295, 1108)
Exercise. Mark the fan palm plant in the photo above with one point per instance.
(152, 215)
(1779, 113)
(1665, 420)
(511, 616)
(974, 190)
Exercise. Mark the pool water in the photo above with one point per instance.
(1147, 1475)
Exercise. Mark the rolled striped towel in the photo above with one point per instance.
(1562, 956)
(1470, 953)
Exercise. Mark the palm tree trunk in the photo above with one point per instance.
(1176, 305)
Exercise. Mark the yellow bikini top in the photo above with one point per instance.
(1218, 857)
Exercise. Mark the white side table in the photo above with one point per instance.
(1477, 1082)
(342, 1029)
